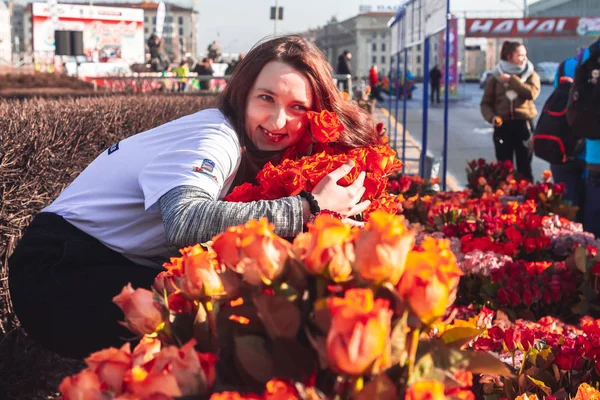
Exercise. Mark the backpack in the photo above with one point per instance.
(584, 98)
(552, 139)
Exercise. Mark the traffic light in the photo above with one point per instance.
(280, 15)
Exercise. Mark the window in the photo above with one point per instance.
(146, 30)
(168, 41)
(383, 59)
(374, 60)
(169, 19)
(180, 20)
(383, 35)
(168, 29)
(180, 31)
(154, 20)
(418, 71)
(374, 35)
(146, 19)
(418, 59)
(374, 46)
(418, 47)
(382, 46)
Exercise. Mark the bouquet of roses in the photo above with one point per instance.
(296, 173)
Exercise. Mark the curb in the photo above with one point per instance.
(451, 181)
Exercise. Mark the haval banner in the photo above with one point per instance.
(533, 27)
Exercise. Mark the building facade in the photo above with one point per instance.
(365, 35)
(5, 35)
(180, 35)
(557, 49)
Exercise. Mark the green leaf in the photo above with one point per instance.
(460, 336)
(485, 363)
(280, 317)
(541, 385)
(254, 358)
(380, 388)
(581, 259)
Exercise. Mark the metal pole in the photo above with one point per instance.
(446, 93)
(276, 17)
(396, 114)
(404, 103)
(425, 105)
(525, 9)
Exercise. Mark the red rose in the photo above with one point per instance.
(324, 126)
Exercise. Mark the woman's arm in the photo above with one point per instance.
(191, 216)
(488, 99)
(529, 90)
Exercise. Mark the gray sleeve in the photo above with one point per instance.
(191, 216)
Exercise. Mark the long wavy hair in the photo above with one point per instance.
(305, 57)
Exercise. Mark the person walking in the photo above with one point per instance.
(435, 77)
(507, 104)
(182, 72)
(344, 67)
(374, 84)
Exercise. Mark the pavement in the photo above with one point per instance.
(469, 136)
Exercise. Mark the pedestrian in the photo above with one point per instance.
(181, 73)
(153, 193)
(435, 76)
(344, 67)
(375, 93)
(202, 69)
(507, 104)
(584, 122)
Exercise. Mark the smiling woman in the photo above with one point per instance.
(145, 197)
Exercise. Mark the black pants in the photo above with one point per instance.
(62, 282)
(509, 142)
(435, 89)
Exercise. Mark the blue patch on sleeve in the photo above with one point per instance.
(208, 165)
(113, 148)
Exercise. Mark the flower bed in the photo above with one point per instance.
(485, 293)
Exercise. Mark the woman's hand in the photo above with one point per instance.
(343, 200)
(497, 121)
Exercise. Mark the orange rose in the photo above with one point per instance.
(326, 244)
(142, 384)
(324, 126)
(317, 170)
(200, 278)
(111, 365)
(430, 280)
(381, 160)
(165, 282)
(587, 392)
(382, 247)
(253, 250)
(358, 342)
(183, 364)
(386, 203)
(289, 183)
(142, 314)
(426, 390)
(374, 185)
(524, 396)
(234, 396)
(145, 350)
(85, 385)
(279, 390)
(546, 176)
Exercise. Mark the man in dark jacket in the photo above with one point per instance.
(344, 68)
(435, 76)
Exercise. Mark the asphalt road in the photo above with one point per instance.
(469, 136)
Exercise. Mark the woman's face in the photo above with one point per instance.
(519, 56)
(277, 103)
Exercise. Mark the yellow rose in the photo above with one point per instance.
(426, 390)
(382, 247)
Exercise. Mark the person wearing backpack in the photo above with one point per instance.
(554, 141)
(507, 104)
(583, 116)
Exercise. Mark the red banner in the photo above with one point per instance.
(533, 27)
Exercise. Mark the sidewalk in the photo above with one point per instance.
(413, 148)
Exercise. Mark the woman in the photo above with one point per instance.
(147, 196)
(507, 104)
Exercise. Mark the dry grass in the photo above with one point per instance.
(44, 145)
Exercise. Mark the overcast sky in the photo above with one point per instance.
(238, 24)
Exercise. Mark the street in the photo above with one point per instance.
(469, 136)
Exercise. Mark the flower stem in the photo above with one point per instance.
(212, 323)
(414, 343)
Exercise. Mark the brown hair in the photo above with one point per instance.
(508, 48)
(302, 55)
